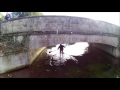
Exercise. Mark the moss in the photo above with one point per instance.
(104, 75)
(97, 67)
(112, 73)
(73, 72)
(15, 52)
(103, 71)
(97, 70)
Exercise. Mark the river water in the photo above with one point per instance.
(76, 62)
(77, 49)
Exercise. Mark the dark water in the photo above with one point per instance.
(76, 62)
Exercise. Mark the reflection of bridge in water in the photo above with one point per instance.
(31, 33)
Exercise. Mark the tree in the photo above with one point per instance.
(34, 13)
(24, 14)
(1, 17)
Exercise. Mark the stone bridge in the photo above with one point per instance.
(25, 35)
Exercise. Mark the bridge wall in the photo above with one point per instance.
(105, 43)
(11, 62)
(109, 49)
(36, 41)
(60, 23)
(17, 61)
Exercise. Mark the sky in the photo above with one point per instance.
(111, 17)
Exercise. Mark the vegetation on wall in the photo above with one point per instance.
(1, 17)
(10, 45)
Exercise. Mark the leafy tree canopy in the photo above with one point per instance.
(24, 14)
(1, 16)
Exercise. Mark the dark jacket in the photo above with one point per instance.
(61, 47)
(7, 17)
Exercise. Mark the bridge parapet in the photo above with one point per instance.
(58, 23)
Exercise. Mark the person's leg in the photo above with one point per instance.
(62, 52)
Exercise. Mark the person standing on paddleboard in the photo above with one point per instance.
(61, 47)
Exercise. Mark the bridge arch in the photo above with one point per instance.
(49, 40)
(51, 30)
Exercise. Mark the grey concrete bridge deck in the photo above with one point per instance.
(60, 23)
(68, 25)
(51, 30)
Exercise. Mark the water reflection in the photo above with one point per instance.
(77, 49)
